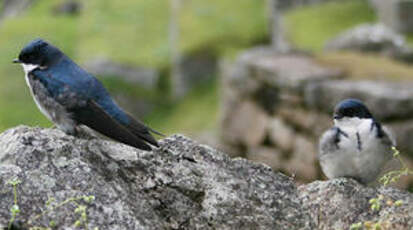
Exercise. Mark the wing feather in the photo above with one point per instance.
(93, 116)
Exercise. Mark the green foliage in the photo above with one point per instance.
(395, 175)
(137, 31)
(81, 210)
(378, 202)
(310, 27)
(366, 67)
(51, 206)
(14, 210)
(198, 111)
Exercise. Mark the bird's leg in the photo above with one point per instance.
(84, 133)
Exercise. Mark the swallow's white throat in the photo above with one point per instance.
(27, 68)
(351, 122)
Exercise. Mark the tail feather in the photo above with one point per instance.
(139, 129)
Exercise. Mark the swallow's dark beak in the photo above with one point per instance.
(17, 61)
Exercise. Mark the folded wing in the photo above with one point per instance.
(93, 116)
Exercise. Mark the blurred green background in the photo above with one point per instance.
(135, 32)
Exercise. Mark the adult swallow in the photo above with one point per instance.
(69, 96)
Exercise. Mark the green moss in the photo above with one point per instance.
(310, 27)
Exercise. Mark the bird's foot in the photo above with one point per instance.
(84, 133)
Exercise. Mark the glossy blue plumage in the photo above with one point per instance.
(65, 74)
(69, 96)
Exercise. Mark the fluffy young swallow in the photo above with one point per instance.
(69, 96)
(357, 146)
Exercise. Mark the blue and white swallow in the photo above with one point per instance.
(69, 96)
(357, 146)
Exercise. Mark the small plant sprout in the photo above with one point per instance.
(377, 203)
(356, 226)
(395, 175)
(51, 206)
(15, 210)
(81, 210)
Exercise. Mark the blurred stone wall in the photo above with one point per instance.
(397, 14)
(275, 107)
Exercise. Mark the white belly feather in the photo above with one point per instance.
(54, 111)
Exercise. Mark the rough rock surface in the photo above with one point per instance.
(339, 203)
(181, 185)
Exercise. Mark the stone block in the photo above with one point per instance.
(269, 156)
(246, 125)
(386, 100)
(290, 71)
(303, 162)
(308, 121)
(280, 134)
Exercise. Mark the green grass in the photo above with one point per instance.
(128, 31)
(366, 67)
(198, 111)
(16, 105)
(136, 31)
(409, 39)
(311, 27)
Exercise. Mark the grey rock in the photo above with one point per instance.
(310, 122)
(303, 161)
(144, 77)
(386, 100)
(281, 134)
(373, 38)
(339, 203)
(290, 71)
(181, 185)
(238, 77)
(266, 155)
(367, 37)
(246, 124)
(270, 78)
